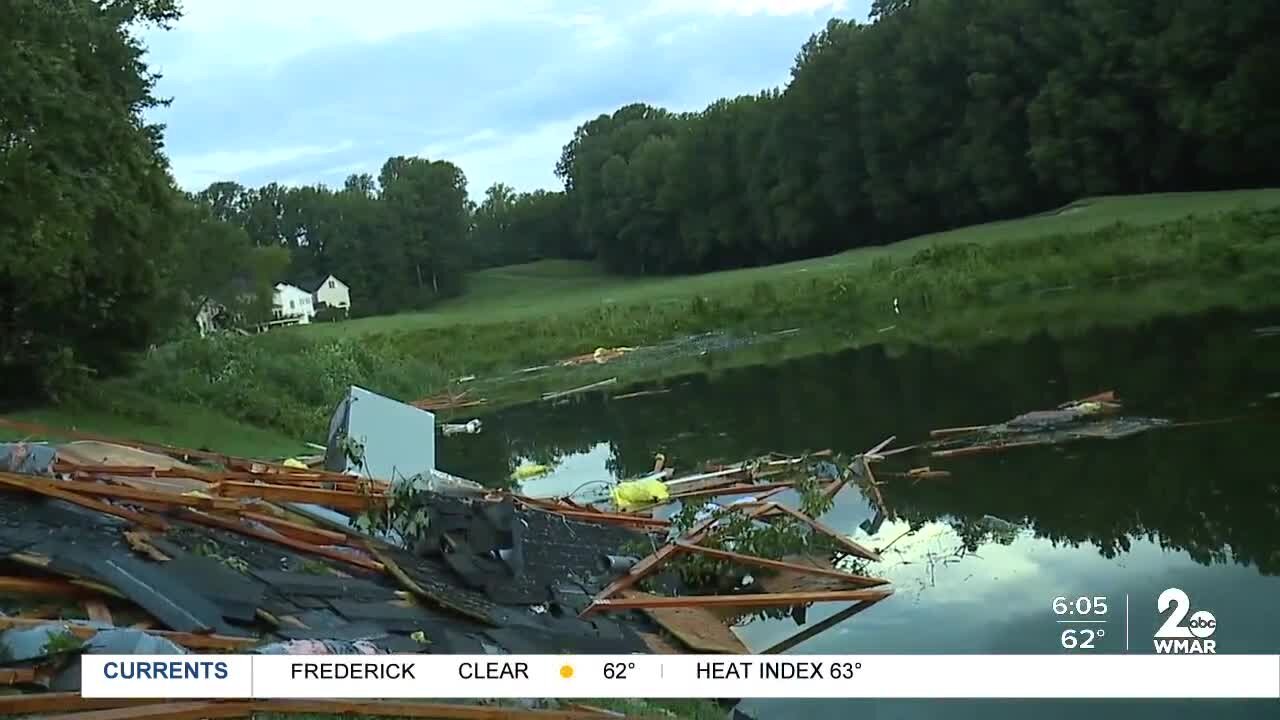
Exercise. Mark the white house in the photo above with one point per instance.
(334, 293)
(290, 302)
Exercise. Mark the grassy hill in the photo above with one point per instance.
(565, 286)
(1114, 261)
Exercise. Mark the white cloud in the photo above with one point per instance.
(213, 35)
(745, 7)
(196, 171)
(524, 160)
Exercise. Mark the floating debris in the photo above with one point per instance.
(1088, 418)
(582, 389)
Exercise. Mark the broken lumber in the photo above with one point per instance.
(17, 676)
(847, 544)
(297, 531)
(856, 580)
(50, 488)
(581, 389)
(948, 432)
(336, 499)
(193, 641)
(98, 612)
(65, 702)
(324, 552)
(989, 447)
(745, 601)
(606, 518)
(43, 586)
(819, 627)
(124, 493)
(196, 710)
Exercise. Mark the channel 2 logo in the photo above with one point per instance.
(1176, 638)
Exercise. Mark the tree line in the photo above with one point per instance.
(934, 114)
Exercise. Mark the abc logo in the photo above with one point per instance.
(1202, 624)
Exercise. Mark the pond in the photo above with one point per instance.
(1195, 506)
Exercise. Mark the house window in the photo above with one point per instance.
(332, 284)
(292, 305)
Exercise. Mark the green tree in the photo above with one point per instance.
(86, 203)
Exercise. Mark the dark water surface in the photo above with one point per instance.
(1194, 507)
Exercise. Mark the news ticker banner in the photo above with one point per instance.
(680, 676)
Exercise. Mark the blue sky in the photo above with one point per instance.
(305, 91)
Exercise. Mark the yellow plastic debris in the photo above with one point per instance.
(294, 463)
(529, 470)
(638, 493)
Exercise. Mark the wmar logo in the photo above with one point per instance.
(1174, 637)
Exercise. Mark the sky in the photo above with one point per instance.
(307, 91)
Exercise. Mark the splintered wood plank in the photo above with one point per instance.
(98, 612)
(743, 601)
(325, 552)
(847, 544)
(65, 702)
(659, 645)
(339, 500)
(698, 628)
(819, 627)
(608, 518)
(10, 585)
(297, 531)
(52, 489)
(158, 497)
(808, 569)
(17, 676)
(199, 710)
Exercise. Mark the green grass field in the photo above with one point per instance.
(1102, 261)
(553, 287)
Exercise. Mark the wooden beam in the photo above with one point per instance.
(188, 640)
(196, 710)
(51, 489)
(652, 562)
(349, 501)
(98, 612)
(242, 529)
(16, 676)
(856, 580)
(65, 702)
(124, 493)
(142, 471)
(986, 448)
(734, 601)
(608, 518)
(848, 545)
(647, 565)
(731, 490)
(819, 627)
(43, 586)
(297, 531)
(948, 432)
